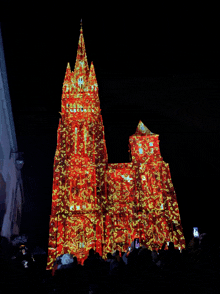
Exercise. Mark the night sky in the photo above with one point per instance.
(155, 65)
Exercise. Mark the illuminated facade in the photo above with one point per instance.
(100, 205)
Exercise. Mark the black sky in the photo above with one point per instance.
(158, 65)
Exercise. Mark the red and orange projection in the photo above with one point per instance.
(100, 205)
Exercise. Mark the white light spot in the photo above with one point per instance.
(140, 150)
(127, 178)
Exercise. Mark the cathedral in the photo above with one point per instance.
(100, 205)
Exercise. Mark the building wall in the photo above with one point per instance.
(11, 187)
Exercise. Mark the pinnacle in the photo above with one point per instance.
(92, 81)
(68, 65)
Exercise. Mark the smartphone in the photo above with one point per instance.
(195, 232)
(136, 243)
(129, 248)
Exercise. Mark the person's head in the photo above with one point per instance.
(109, 255)
(171, 246)
(91, 252)
(116, 252)
(164, 245)
(75, 260)
(97, 255)
(23, 249)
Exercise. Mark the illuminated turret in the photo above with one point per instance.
(144, 145)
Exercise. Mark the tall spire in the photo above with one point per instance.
(81, 70)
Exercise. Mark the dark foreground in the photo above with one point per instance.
(191, 272)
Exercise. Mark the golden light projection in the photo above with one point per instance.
(100, 205)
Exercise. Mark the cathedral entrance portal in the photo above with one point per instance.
(81, 236)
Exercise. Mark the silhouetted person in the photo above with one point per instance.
(24, 259)
(109, 257)
(92, 267)
(132, 261)
(90, 257)
(117, 265)
(75, 260)
(172, 257)
(98, 257)
(163, 246)
(154, 256)
(125, 256)
(207, 255)
(145, 262)
(191, 243)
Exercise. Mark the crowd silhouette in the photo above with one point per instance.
(192, 270)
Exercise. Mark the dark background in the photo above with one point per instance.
(155, 64)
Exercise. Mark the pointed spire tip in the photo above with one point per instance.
(81, 25)
(68, 65)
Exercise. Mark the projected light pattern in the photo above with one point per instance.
(100, 205)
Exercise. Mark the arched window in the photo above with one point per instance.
(80, 81)
(140, 150)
